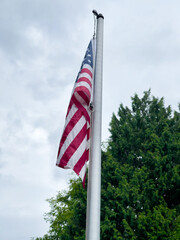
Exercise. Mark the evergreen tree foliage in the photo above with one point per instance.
(140, 197)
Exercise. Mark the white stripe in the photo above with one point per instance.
(74, 132)
(88, 67)
(83, 84)
(88, 144)
(85, 75)
(77, 154)
(83, 171)
(83, 103)
(71, 113)
(79, 98)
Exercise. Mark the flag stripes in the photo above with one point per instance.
(73, 149)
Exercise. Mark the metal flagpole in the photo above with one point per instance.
(94, 172)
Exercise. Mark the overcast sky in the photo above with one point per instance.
(42, 45)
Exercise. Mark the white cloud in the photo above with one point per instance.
(35, 36)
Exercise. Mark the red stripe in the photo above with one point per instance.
(84, 79)
(84, 180)
(88, 134)
(83, 89)
(80, 106)
(73, 146)
(75, 118)
(86, 70)
(88, 155)
(84, 97)
(79, 165)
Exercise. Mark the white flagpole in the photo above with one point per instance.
(94, 172)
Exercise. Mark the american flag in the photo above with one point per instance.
(73, 150)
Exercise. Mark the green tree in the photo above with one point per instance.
(68, 213)
(140, 179)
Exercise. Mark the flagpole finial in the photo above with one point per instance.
(96, 14)
(100, 16)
